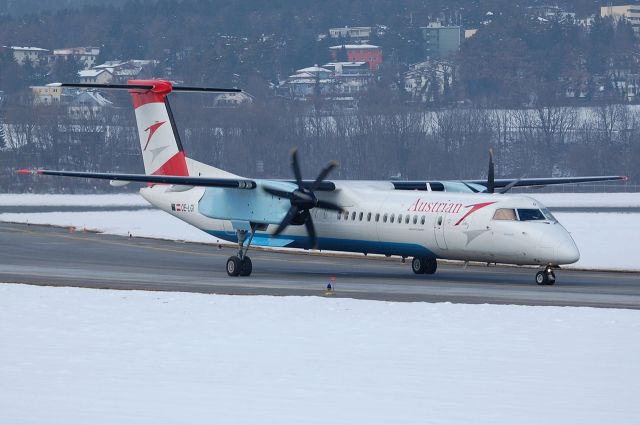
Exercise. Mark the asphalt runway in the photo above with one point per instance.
(44, 255)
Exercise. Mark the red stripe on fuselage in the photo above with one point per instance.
(475, 207)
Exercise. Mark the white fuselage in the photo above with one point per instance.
(378, 219)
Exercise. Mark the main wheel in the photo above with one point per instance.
(246, 267)
(542, 278)
(430, 265)
(417, 265)
(234, 266)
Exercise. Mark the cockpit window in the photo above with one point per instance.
(529, 214)
(548, 214)
(505, 214)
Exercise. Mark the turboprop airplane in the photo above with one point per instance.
(427, 220)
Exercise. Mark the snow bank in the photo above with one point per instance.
(29, 199)
(588, 200)
(102, 357)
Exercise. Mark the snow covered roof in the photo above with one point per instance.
(91, 97)
(357, 63)
(356, 47)
(312, 69)
(30, 49)
(89, 73)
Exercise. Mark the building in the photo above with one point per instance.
(360, 34)
(629, 12)
(46, 95)
(85, 55)
(34, 55)
(95, 76)
(359, 53)
(122, 71)
(441, 41)
(308, 82)
(428, 81)
(550, 13)
(87, 104)
(232, 100)
(350, 77)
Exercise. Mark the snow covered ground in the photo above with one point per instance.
(603, 238)
(81, 356)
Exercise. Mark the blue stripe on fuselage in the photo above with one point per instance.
(346, 245)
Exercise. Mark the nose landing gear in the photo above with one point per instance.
(546, 276)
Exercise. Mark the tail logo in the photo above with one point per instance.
(151, 130)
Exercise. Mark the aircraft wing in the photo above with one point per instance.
(482, 185)
(160, 179)
(547, 181)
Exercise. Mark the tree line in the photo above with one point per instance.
(372, 142)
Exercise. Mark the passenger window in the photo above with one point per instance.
(392, 218)
(377, 217)
(353, 216)
(505, 214)
(400, 218)
(440, 221)
(368, 216)
(415, 219)
(422, 220)
(339, 215)
(406, 219)
(346, 215)
(384, 218)
(360, 216)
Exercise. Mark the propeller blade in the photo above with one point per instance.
(278, 193)
(311, 230)
(329, 206)
(510, 185)
(296, 167)
(490, 174)
(291, 214)
(323, 174)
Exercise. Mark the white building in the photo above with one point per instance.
(46, 95)
(628, 12)
(427, 81)
(86, 55)
(352, 33)
(95, 76)
(32, 54)
(88, 104)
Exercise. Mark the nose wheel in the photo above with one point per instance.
(546, 277)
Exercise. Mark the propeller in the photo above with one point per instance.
(303, 199)
(490, 174)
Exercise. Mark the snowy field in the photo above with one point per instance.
(603, 238)
(82, 356)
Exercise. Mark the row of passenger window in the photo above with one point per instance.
(391, 218)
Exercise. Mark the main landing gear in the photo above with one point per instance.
(240, 265)
(424, 265)
(546, 276)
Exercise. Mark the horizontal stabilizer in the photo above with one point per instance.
(145, 87)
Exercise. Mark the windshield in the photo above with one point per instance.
(529, 214)
(548, 214)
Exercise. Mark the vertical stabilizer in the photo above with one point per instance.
(162, 150)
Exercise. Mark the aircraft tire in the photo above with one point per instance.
(234, 266)
(430, 265)
(417, 265)
(246, 267)
(545, 278)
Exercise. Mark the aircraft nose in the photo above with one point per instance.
(567, 251)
